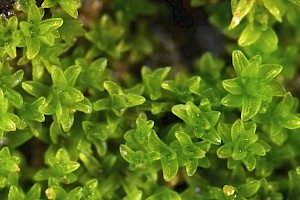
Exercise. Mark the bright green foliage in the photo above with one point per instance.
(8, 121)
(60, 170)
(62, 99)
(183, 89)
(254, 85)
(118, 101)
(153, 81)
(37, 30)
(70, 6)
(8, 81)
(89, 112)
(278, 118)
(107, 37)
(151, 149)
(93, 75)
(10, 36)
(33, 194)
(201, 123)
(241, 144)
(8, 168)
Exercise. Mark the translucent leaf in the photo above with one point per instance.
(25, 27)
(233, 85)
(49, 25)
(237, 130)
(34, 14)
(291, 122)
(10, 50)
(277, 88)
(15, 79)
(14, 97)
(34, 192)
(258, 149)
(275, 7)
(269, 71)
(249, 36)
(126, 153)
(239, 62)
(15, 194)
(48, 4)
(169, 167)
(238, 151)
(72, 95)
(191, 167)
(249, 189)
(240, 8)
(153, 80)
(225, 151)
(7, 124)
(93, 132)
(90, 162)
(33, 47)
(70, 6)
(83, 106)
(58, 78)
(250, 107)
(253, 67)
(268, 40)
(250, 162)
(55, 131)
(12, 23)
(231, 100)
(71, 74)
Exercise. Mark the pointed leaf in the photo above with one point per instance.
(269, 71)
(239, 61)
(71, 74)
(249, 36)
(33, 47)
(250, 107)
(225, 151)
(233, 85)
(58, 78)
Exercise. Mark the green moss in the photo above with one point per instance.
(87, 112)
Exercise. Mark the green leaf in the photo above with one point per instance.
(33, 47)
(35, 88)
(237, 130)
(269, 71)
(249, 36)
(26, 27)
(15, 79)
(71, 74)
(153, 81)
(70, 6)
(58, 78)
(249, 189)
(14, 97)
(233, 86)
(240, 8)
(275, 7)
(165, 194)
(49, 25)
(15, 194)
(250, 107)
(250, 162)
(34, 14)
(231, 100)
(169, 167)
(239, 62)
(225, 151)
